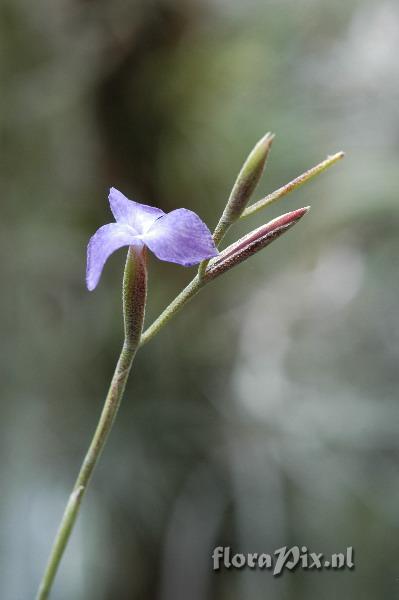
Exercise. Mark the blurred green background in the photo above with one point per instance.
(266, 414)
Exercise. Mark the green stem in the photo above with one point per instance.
(177, 304)
(134, 296)
(218, 235)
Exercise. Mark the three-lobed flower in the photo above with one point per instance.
(179, 236)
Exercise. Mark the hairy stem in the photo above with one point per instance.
(134, 296)
(177, 304)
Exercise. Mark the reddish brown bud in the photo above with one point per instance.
(253, 242)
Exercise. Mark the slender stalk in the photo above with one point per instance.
(292, 185)
(177, 304)
(134, 296)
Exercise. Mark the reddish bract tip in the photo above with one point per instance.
(253, 242)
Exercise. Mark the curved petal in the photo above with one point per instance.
(102, 244)
(180, 237)
(138, 216)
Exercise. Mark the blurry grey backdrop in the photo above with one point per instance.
(265, 414)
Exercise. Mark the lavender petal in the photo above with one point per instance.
(102, 244)
(180, 237)
(138, 216)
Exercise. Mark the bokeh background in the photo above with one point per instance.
(266, 414)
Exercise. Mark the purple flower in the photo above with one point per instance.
(179, 236)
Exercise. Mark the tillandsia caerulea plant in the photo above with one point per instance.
(180, 237)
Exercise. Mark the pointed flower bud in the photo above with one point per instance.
(253, 242)
(245, 185)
